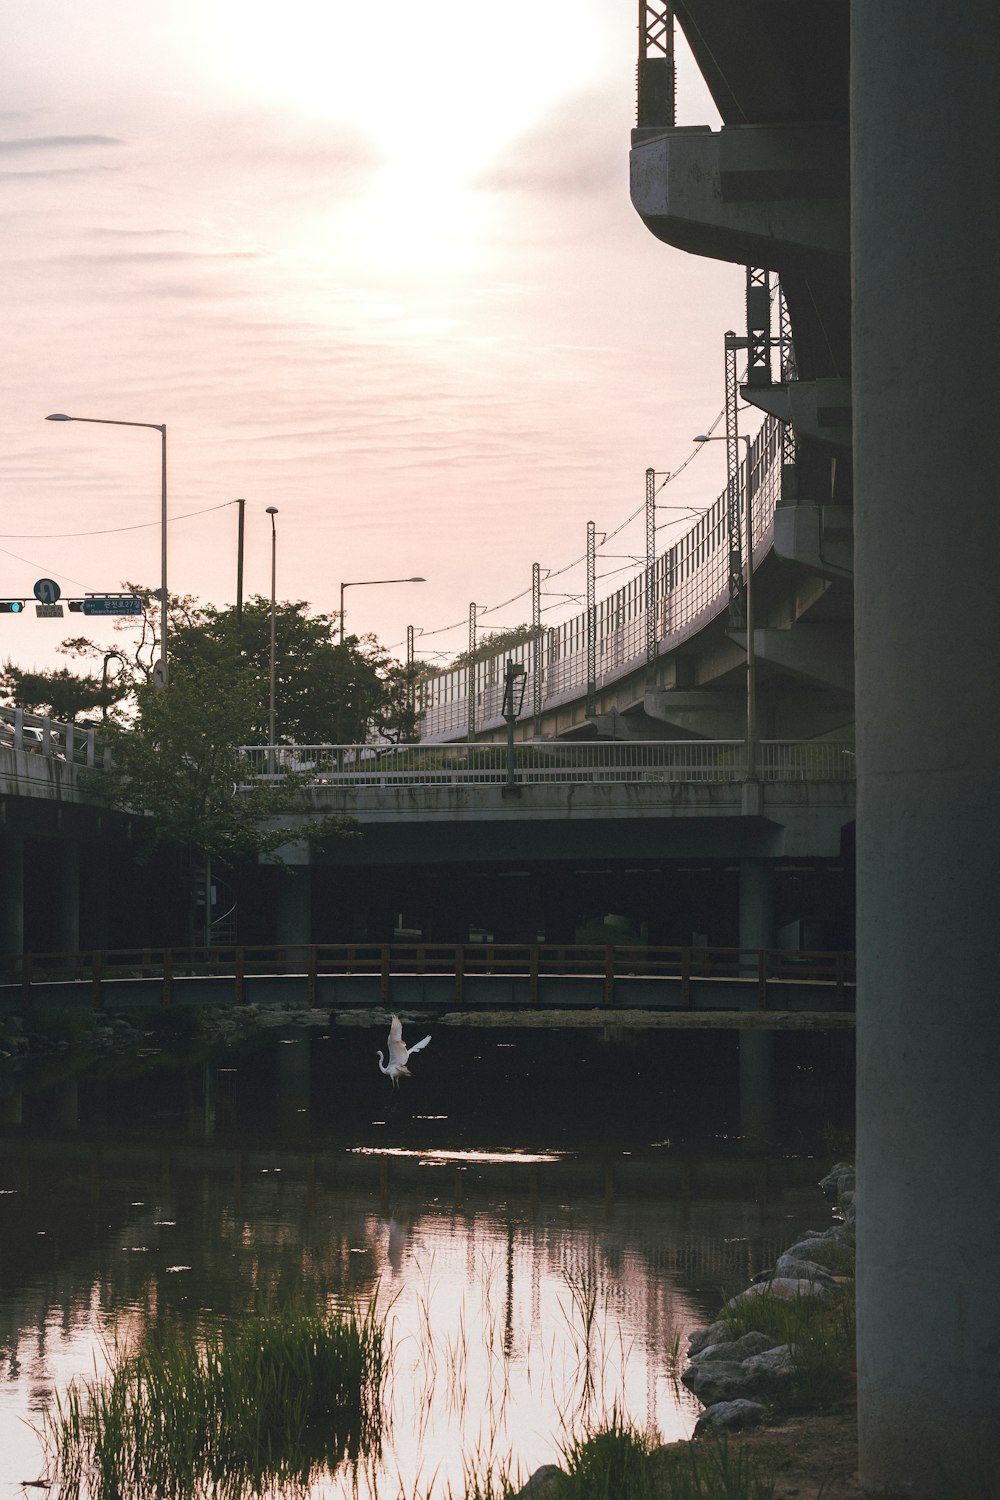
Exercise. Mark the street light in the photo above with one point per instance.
(359, 583)
(272, 511)
(751, 767)
(160, 666)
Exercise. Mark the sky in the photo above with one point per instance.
(373, 265)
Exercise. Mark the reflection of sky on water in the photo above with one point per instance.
(197, 1197)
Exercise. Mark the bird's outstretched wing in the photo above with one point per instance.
(417, 1045)
(397, 1050)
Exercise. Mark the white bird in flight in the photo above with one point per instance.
(399, 1053)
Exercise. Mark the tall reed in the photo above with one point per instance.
(263, 1402)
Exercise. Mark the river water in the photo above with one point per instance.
(542, 1216)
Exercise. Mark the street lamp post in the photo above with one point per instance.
(272, 511)
(160, 667)
(751, 757)
(359, 583)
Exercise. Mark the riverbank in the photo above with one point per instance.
(776, 1374)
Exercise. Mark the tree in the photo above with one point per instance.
(326, 691)
(494, 642)
(180, 761)
(63, 694)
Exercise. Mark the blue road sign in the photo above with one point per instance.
(47, 591)
(124, 604)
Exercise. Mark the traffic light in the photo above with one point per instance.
(11, 606)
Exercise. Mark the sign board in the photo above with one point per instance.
(47, 591)
(160, 675)
(125, 604)
(49, 611)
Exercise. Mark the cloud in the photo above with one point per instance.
(576, 151)
(55, 142)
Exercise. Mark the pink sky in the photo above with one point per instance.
(374, 265)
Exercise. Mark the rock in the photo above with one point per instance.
(730, 1416)
(700, 1338)
(838, 1181)
(801, 1270)
(735, 1349)
(836, 1239)
(786, 1287)
(770, 1370)
(543, 1482)
(717, 1380)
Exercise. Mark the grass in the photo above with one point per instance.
(820, 1335)
(265, 1402)
(711, 1471)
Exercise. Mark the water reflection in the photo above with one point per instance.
(534, 1264)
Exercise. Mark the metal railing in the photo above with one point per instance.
(39, 734)
(758, 974)
(551, 761)
(691, 586)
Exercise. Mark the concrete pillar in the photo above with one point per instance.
(293, 905)
(756, 1047)
(756, 903)
(64, 857)
(95, 895)
(925, 141)
(11, 895)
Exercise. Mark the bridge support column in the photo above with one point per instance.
(927, 620)
(95, 896)
(293, 906)
(756, 903)
(11, 895)
(756, 1047)
(65, 893)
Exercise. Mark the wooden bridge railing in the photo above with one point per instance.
(760, 970)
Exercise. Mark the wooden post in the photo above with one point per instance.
(459, 972)
(239, 966)
(533, 975)
(686, 999)
(384, 976)
(762, 979)
(167, 992)
(95, 980)
(311, 976)
(609, 975)
(26, 978)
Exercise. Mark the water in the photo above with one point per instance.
(542, 1216)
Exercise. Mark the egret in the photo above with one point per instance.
(399, 1053)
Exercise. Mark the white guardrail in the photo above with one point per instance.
(80, 744)
(717, 761)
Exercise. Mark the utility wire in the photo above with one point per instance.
(51, 536)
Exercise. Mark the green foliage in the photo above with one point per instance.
(820, 1334)
(711, 1471)
(608, 1464)
(494, 643)
(326, 691)
(179, 761)
(63, 694)
(71, 1024)
(264, 1402)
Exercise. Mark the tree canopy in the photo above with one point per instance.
(178, 759)
(327, 691)
(63, 694)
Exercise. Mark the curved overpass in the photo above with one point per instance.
(613, 671)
